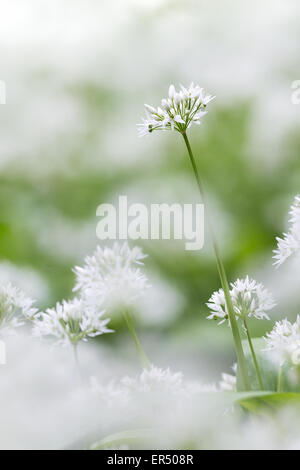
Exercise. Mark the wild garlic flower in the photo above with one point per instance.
(155, 379)
(112, 277)
(228, 381)
(249, 299)
(284, 341)
(290, 243)
(177, 112)
(15, 307)
(71, 322)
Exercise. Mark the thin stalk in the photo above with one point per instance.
(142, 356)
(224, 282)
(261, 385)
(279, 375)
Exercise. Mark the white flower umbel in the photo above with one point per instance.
(249, 299)
(155, 379)
(177, 112)
(71, 322)
(290, 243)
(228, 381)
(15, 307)
(284, 341)
(112, 277)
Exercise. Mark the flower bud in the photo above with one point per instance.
(150, 108)
(165, 104)
(172, 91)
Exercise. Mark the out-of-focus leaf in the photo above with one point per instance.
(269, 401)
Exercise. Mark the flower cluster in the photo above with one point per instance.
(228, 381)
(15, 307)
(177, 112)
(155, 379)
(112, 277)
(284, 341)
(249, 299)
(71, 322)
(290, 243)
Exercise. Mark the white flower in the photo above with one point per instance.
(284, 340)
(228, 381)
(290, 243)
(111, 276)
(177, 112)
(71, 322)
(249, 299)
(155, 379)
(15, 307)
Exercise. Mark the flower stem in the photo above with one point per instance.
(261, 385)
(223, 278)
(143, 358)
(279, 378)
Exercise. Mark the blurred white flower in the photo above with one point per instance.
(155, 379)
(15, 307)
(249, 299)
(178, 112)
(111, 276)
(284, 340)
(71, 322)
(161, 304)
(290, 243)
(24, 278)
(228, 381)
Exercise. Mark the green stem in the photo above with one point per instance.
(143, 358)
(253, 356)
(279, 379)
(224, 282)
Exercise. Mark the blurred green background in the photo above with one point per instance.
(77, 74)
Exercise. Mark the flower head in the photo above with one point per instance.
(290, 243)
(284, 340)
(155, 379)
(228, 381)
(111, 276)
(177, 112)
(15, 307)
(249, 299)
(71, 322)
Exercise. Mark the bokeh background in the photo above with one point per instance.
(77, 75)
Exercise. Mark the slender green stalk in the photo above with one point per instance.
(279, 379)
(143, 358)
(224, 282)
(261, 385)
